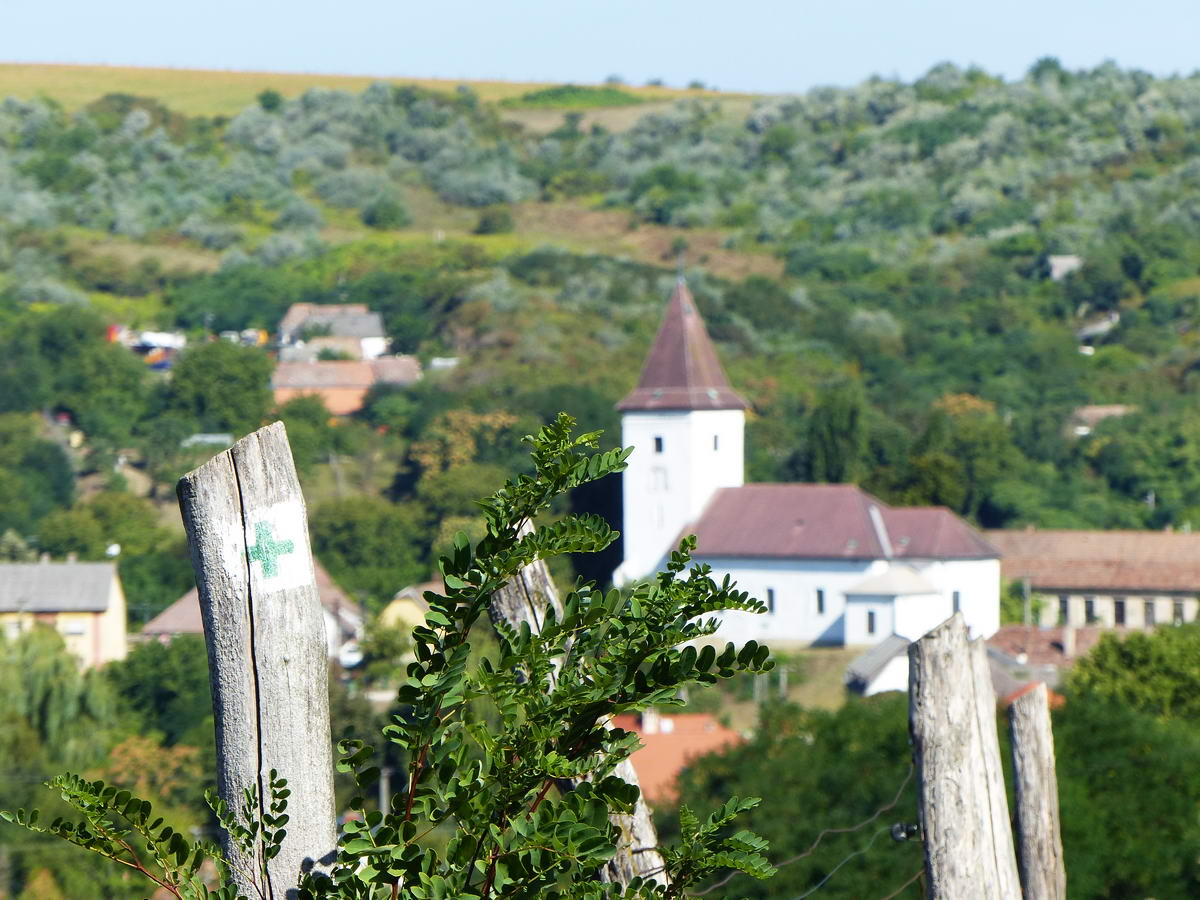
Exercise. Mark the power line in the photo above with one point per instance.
(828, 831)
(820, 884)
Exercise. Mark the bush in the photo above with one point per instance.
(385, 212)
(495, 220)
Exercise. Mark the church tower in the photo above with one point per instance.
(685, 424)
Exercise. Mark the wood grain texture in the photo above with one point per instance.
(959, 787)
(265, 632)
(1039, 839)
(526, 599)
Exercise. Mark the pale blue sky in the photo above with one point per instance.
(735, 44)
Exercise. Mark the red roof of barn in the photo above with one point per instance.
(682, 370)
(1141, 561)
(829, 521)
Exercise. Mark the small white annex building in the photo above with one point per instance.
(833, 564)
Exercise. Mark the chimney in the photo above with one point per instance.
(1068, 641)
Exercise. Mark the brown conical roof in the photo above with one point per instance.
(682, 371)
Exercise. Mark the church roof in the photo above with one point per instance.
(682, 371)
(829, 521)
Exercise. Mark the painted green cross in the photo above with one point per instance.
(267, 550)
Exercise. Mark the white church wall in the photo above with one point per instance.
(672, 474)
(917, 614)
(977, 582)
(794, 583)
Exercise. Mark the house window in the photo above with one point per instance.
(1119, 611)
(1089, 610)
(1149, 613)
(957, 601)
(1177, 612)
(870, 621)
(820, 602)
(1064, 610)
(770, 600)
(658, 444)
(716, 442)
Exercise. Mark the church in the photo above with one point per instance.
(832, 564)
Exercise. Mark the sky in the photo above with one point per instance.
(749, 45)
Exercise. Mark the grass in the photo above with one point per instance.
(572, 96)
(211, 92)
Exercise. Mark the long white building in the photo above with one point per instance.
(833, 564)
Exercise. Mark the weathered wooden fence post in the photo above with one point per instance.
(1039, 841)
(525, 599)
(265, 633)
(961, 801)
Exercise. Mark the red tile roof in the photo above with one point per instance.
(828, 521)
(670, 742)
(1044, 646)
(1112, 561)
(682, 371)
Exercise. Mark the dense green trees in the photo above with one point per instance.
(222, 387)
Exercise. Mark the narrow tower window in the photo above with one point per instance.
(716, 440)
(770, 600)
(820, 602)
(957, 601)
(658, 444)
(870, 621)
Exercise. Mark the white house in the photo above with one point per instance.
(833, 564)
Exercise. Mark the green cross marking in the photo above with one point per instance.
(267, 550)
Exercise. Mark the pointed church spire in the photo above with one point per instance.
(682, 371)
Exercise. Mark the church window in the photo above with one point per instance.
(770, 600)
(1149, 613)
(716, 442)
(820, 602)
(957, 597)
(1119, 611)
(658, 444)
(870, 621)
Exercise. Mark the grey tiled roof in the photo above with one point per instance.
(56, 587)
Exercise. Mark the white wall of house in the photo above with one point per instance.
(666, 489)
(977, 582)
(869, 618)
(794, 583)
(893, 677)
(1145, 610)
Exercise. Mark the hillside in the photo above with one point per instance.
(875, 263)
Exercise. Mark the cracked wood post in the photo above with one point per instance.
(961, 801)
(265, 633)
(1039, 842)
(526, 599)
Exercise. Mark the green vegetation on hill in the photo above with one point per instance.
(572, 96)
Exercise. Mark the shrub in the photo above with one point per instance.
(387, 211)
(494, 220)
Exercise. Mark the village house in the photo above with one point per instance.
(343, 618)
(832, 564)
(82, 601)
(669, 743)
(345, 328)
(1113, 579)
(342, 385)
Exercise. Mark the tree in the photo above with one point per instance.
(1154, 673)
(837, 434)
(165, 686)
(221, 386)
(370, 545)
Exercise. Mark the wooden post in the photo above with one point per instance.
(1039, 842)
(265, 632)
(961, 801)
(525, 599)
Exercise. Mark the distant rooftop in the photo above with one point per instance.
(56, 586)
(342, 320)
